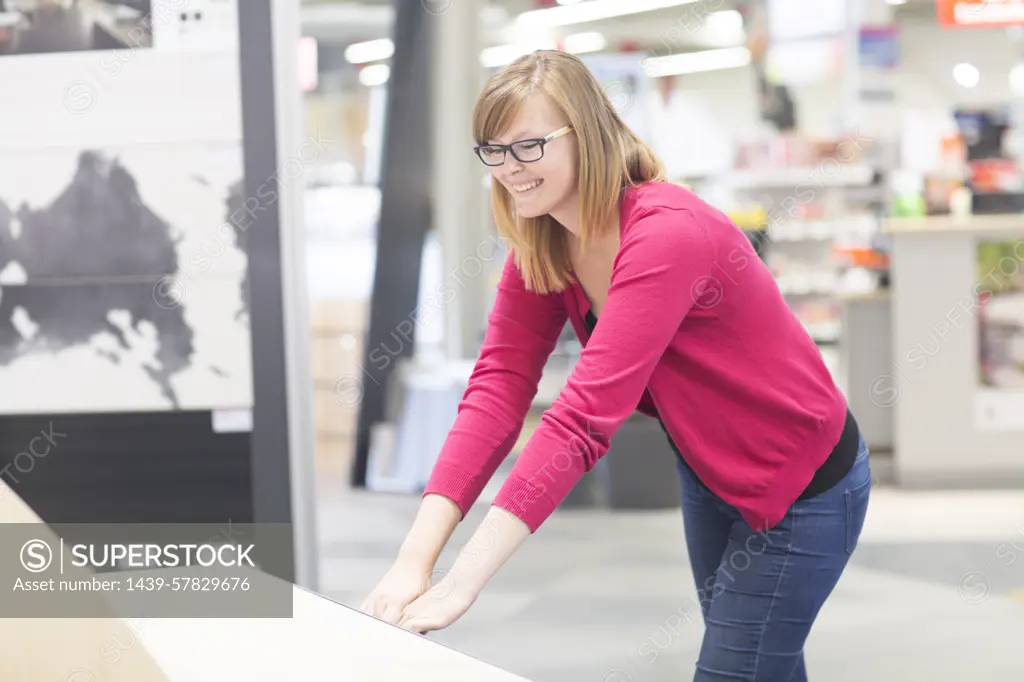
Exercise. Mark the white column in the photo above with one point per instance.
(457, 172)
(290, 130)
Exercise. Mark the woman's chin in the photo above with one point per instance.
(531, 214)
(529, 209)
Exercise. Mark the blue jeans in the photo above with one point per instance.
(760, 592)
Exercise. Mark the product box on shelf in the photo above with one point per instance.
(338, 315)
(796, 151)
(336, 357)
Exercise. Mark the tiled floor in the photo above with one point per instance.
(933, 592)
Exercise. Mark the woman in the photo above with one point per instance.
(680, 320)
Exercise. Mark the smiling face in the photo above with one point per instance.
(543, 186)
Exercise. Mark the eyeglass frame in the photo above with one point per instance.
(506, 148)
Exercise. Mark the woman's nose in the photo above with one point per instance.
(512, 163)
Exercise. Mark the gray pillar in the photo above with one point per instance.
(405, 215)
(458, 195)
(282, 424)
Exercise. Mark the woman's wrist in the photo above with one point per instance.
(436, 520)
(494, 542)
(417, 558)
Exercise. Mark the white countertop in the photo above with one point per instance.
(323, 640)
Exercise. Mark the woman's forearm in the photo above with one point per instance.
(436, 520)
(494, 542)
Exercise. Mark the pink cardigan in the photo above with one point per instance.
(694, 330)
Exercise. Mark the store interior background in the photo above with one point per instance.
(871, 150)
(889, 118)
(877, 170)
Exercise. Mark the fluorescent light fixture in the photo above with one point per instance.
(500, 55)
(370, 51)
(722, 29)
(966, 74)
(896, 2)
(578, 43)
(696, 62)
(593, 10)
(375, 74)
(1017, 79)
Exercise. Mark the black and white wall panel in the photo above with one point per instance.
(132, 242)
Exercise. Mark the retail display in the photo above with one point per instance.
(812, 209)
(992, 166)
(1000, 324)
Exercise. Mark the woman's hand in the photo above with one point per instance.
(438, 607)
(497, 538)
(400, 586)
(411, 573)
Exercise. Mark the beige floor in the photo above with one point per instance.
(933, 592)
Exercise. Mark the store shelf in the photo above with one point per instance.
(823, 332)
(852, 228)
(825, 174)
(824, 282)
(997, 222)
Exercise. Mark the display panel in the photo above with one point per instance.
(123, 279)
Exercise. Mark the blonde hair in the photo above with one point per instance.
(611, 157)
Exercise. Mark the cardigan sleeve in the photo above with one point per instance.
(523, 328)
(664, 264)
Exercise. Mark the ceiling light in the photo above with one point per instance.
(594, 10)
(370, 51)
(500, 55)
(722, 29)
(966, 75)
(696, 62)
(895, 2)
(375, 74)
(1017, 79)
(578, 43)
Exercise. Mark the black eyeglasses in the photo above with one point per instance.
(524, 151)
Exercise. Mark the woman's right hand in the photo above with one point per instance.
(412, 572)
(404, 582)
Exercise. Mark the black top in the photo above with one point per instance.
(834, 469)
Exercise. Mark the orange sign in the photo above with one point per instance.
(980, 13)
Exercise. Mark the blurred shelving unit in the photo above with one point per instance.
(814, 210)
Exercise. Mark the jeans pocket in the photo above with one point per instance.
(856, 509)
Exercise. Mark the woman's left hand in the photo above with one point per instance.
(438, 607)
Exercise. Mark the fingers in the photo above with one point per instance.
(391, 613)
(387, 610)
(407, 615)
(413, 623)
(420, 625)
(419, 618)
(369, 606)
